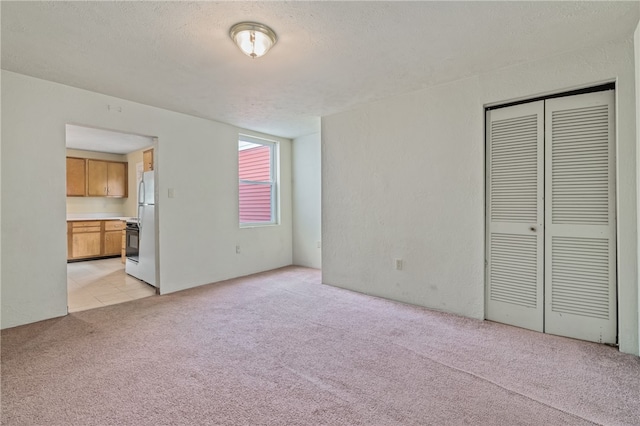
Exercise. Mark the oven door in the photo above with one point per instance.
(132, 242)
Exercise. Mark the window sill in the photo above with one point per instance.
(257, 225)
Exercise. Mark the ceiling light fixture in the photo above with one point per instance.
(252, 38)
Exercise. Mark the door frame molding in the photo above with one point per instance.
(604, 85)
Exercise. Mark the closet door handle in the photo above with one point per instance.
(533, 229)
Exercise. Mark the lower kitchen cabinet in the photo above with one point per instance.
(93, 238)
(84, 239)
(112, 243)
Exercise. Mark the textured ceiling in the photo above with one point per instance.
(330, 56)
(92, 139)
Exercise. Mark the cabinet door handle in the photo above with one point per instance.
(105, 190)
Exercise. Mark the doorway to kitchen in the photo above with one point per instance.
(106, 170)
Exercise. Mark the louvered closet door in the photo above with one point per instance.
(580, 251)
(515, 215)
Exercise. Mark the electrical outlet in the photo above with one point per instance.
(237, 249)
(398, 264)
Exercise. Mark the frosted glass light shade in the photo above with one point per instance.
(252, 38)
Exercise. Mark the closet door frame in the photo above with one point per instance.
(610, 87)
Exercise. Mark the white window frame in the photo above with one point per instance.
(273, 182)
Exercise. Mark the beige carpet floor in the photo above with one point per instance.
(280, 348)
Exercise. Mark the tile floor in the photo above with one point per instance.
(97, 283)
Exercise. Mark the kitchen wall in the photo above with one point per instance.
(131, 203)
(404, 178)
(198, 227)
(307, 233)
(79, 205)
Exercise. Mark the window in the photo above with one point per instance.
(257, 181)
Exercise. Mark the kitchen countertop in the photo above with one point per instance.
(87, 218)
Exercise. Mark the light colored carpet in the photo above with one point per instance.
(279, 348)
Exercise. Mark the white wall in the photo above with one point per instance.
(403, 178)
(636, 43)
(1, 207)
(307, 202)
(198, 229)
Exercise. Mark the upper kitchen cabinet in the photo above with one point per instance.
(96, 178)
(147, 160)
(76, 177)
(117, 185)
(106, 179)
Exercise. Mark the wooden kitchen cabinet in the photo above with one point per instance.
(96, 178)
(84, 239)
(76, 177)
(112, 241)
(117, 179)
(147, 160)
(106, 178)
(93, 239)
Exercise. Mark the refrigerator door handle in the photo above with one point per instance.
(141, 191)
(140, 206)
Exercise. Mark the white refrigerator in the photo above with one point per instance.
(145, 268)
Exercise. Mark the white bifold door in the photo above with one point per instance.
(551, 231)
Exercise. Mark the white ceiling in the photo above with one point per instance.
(330, 56)
(92, 139)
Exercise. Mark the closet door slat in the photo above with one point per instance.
(515, 238)
(580, 249)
